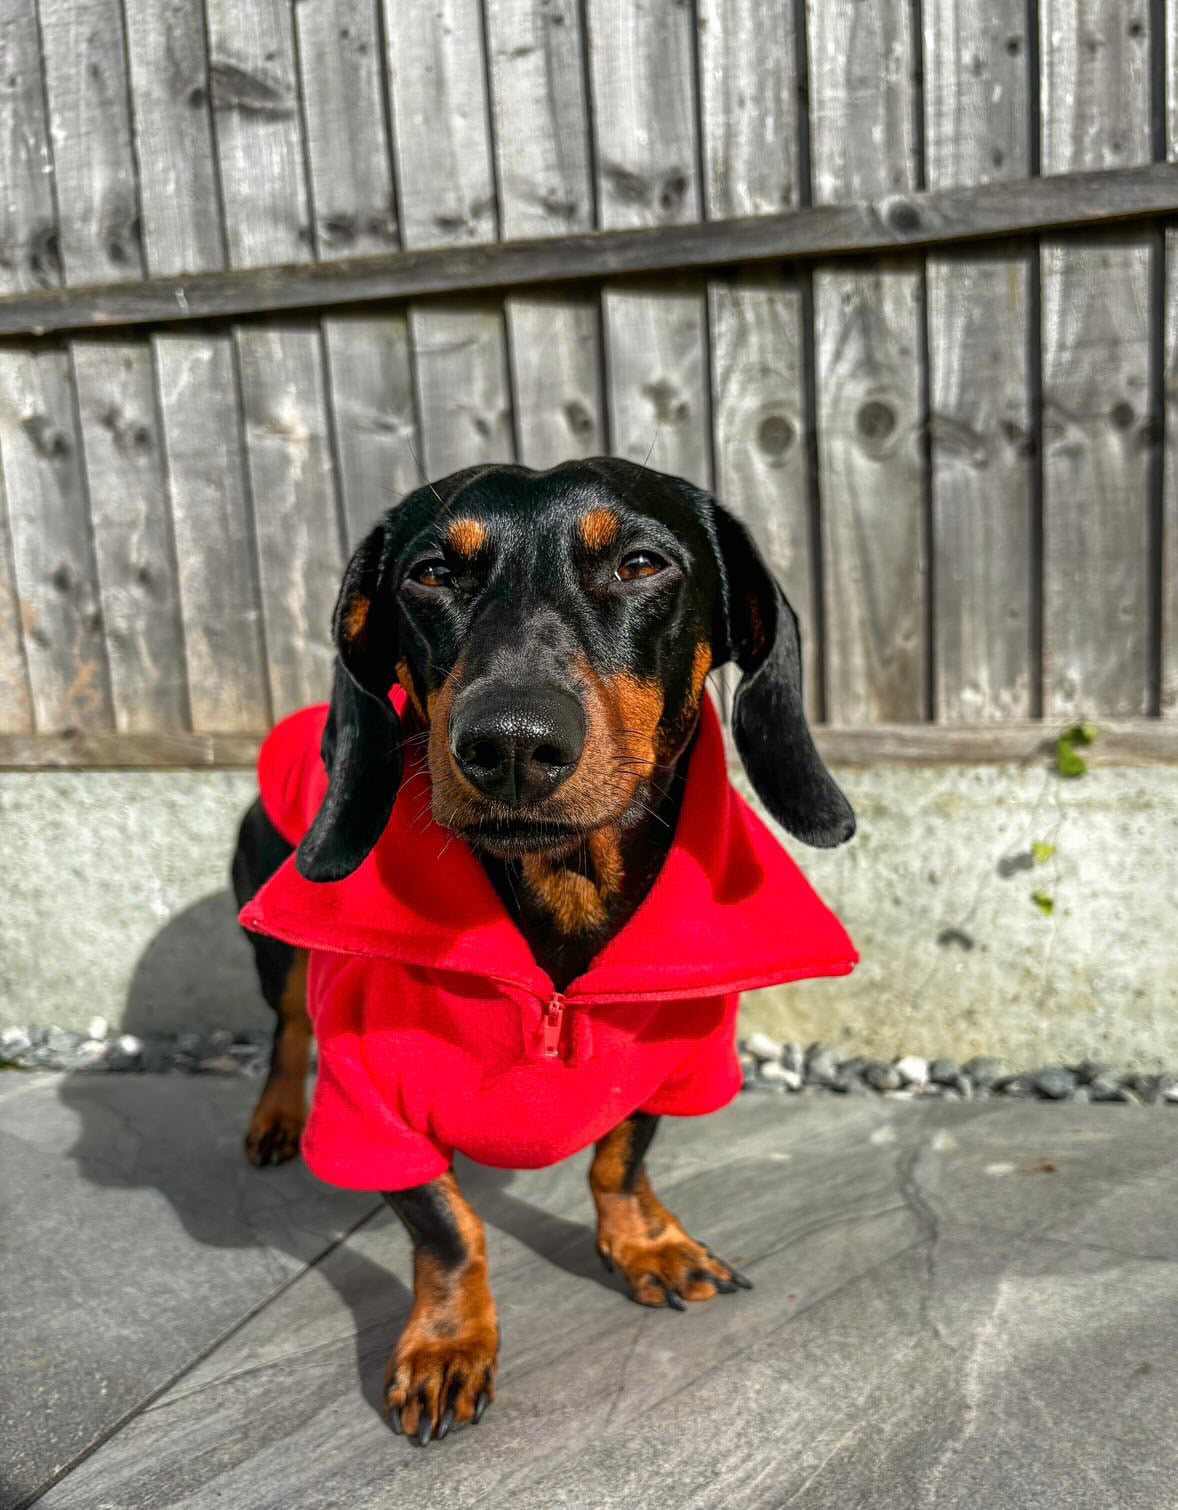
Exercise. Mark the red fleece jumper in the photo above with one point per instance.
(437, 1029)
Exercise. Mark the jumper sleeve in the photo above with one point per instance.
(357, 1136)
(707, 1078)
(355, 1139)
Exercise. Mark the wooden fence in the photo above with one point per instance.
(265, 262)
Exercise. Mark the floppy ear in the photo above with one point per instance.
(361, 742)
(768, 721)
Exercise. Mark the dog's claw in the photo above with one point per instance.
(446, 1422)
(395, 1421)
(674, 1300)
(423, 1432)
(480, 1405)
(607, 1262)
(739, 1279)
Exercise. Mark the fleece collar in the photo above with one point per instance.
(729, 911)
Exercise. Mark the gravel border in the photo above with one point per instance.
(99, 1049)
(772, 1066)
(785, 1068)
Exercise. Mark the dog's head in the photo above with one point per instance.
(553, 632)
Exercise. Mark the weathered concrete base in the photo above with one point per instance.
(937, 890)
(117, 904)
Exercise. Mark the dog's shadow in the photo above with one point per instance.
(193, 1175)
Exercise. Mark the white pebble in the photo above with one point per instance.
(882, 1135)
(127, 1043)
(763, 1047)
(912, 1069)
(97, 1028)
(791, 1079)
(775, 1073)
(92, 1048)
(1002, 1168)
(943, 1142)
(1170, 1093)
(12, 1038)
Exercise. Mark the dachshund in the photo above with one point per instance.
(521, 666)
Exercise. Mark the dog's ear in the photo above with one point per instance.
(361, 741)
(760, 633)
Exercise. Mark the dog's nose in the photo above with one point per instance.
(515, 744)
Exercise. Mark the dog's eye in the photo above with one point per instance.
(432, 573)
(640, 564)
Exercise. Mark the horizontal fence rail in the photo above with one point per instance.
(1119, 742)
(937, 219)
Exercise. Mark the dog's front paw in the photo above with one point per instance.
(434, 1382)
(275, 1129)
(668, 1269)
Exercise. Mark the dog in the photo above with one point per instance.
(506, 868)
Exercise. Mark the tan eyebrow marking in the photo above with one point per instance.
(598, 528)
(467, 537)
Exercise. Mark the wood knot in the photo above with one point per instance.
(579, 420)
(670, 408)
(46, 439)
(775, 436)
(673, 192)
(876, 421)
(902, 216)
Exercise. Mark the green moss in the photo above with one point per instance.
(1068, 761)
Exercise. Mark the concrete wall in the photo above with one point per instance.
(116, 903)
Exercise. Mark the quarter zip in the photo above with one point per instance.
(550, 1026)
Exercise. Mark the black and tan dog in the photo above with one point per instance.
(553, 632)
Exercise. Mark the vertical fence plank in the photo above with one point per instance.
(16, 708)
(205, 469)
(1168, 702)
(1097, 428)
(172, 118)
(535, 56)
(748, 87)
(98, 239)
(370, 375)
(29, 248)
(86, 81)
(642, 69)
(869, 377)
(446, 184)
(977, 131)
(52, 552)
(196, 382)
(462, 386)
(370, 381)
(347, 145)
(132, 534)
(255, 97)
(289, 460)
(98, 202)
(29, 258)
(256, 100)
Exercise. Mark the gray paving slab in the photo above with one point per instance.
(133, 1235)
(955, 1306)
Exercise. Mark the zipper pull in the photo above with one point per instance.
(550, 1025)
